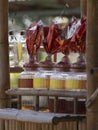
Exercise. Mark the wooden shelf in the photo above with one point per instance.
(16, 69)
(19, 92)
(45, 92)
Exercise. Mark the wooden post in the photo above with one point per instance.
(83, 7)
(92, 62)
(4, 59)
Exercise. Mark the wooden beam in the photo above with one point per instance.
(50, 12)
(4, 56)
(83, 7)
(4, 59)
(92, 62)
(43, 5)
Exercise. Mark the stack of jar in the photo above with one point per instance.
(25, 80)
(50, 80)
(55, 80)
(75, 81)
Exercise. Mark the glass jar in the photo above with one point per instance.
(38, 80)
(25, 80)
(42, 81)
(75, 81)
(72, 81)
(21, 48)
(57, 81)
(14, 79)
(82, 80)
(46, 78)
(13, 56)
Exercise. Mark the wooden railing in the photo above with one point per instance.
(37, 120)
(31, 120)
(75, 94)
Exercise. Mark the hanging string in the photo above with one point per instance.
(66, 5)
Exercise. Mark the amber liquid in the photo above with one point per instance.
(25, 107)
(47, 83)
(82, 84)
(64, 106)
(25, 83)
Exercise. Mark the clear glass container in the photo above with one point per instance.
(13, 56)
(25, 80)
(42, 79)
(38, 81)
(82, 80)
(72, 81)
(14, 80)
(22, 49)
(57, 81)
(75, 81)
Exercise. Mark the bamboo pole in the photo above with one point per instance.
(4, 59)
(4, 54)
(92, 62)
(83, 7)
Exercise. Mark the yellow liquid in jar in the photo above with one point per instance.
(75, 84)
(14, 80)
(68, 84)
(37, 82)
(19, 51)
(41, 83)
(72, 84)
(57, 84)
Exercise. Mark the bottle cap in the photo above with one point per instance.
(11, 32)
(22, 32)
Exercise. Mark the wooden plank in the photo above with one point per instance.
(56, 104)
(4, 57)
(45, 92)
(16, 69)
(92, 62)
(46, 8)
(33, 116)
(44, 4)
(6, 124)
(83, 7)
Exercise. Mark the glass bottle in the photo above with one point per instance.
(13, 57)
(22, 49)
